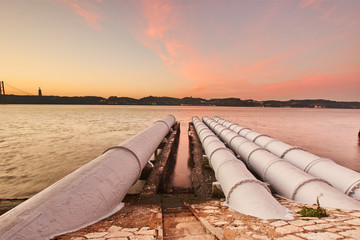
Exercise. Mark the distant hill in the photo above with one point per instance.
(30, 99)
(186, 101)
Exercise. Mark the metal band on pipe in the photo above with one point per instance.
(130, 151)
(248, 157)
(232, 125)
(162, 121)
(297, 187)
(222, 164)
(290, 149)
(269, 142)
(227, 124)
(217, 125)
(169, 127)
(203, 140)
(261, 135)
(352, 187)
(204, 128)
(223, 130)
(268, 166)
(220, 148)
(245, 181)
(238, 146)
(221, 121)
(244, 128)
(210, 141)
(236, 136)
(313, 162)
(247, 132)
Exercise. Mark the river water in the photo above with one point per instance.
(40, 144)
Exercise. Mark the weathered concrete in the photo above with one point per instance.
(142, 218)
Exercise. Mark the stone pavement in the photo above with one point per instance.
(139, 219)
(228, 224)
(143, 219)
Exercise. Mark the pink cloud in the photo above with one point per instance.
(310, 3)
(317, 86)
(243, 63)
(339, 12)
(87, 9)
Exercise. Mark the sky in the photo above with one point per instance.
(248, 49)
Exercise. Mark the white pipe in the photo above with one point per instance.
(342, 178)
(87, 195)
(244, 193)
(284, 178)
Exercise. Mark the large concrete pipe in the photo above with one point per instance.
(287, 180)
(87, 195)
(344, 179)
(244, 193)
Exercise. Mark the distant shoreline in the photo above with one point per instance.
(170, 101)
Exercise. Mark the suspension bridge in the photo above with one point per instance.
(10, 89)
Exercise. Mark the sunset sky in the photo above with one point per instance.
(249, 49)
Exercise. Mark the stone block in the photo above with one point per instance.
(151, 232)
(289, 229)
(119, 234)
(220, 223)
(351, 233)
(301, 223)
(319, 236)
(317, 227)
(95, 235)
(355, 221)
(279, 223)
(130, 229)
(289, 237)
(114, 229)
(139, 237)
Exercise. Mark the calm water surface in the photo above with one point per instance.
(40, 144)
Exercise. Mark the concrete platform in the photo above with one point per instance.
(145, 218)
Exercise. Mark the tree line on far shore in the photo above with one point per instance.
(186, 101)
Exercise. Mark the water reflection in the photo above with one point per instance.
(181, 176)
(40, 144)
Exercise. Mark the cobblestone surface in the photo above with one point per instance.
(342, 224)
(225, 223)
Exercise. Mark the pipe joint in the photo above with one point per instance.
(314, 162)
(217, 149)
(261, 135)
(248, 157)
(267, 166)
(214, 136)
(203, 128)
(130, 151)
(236, 136)
(351, 189)
(242, 182)
(162, 121)
(244, 128)
(270, 142)
(290, 149)
(249, 132)
(299, 185)
(222, 131)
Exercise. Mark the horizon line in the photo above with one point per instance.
(188, 97)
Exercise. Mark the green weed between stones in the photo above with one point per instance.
(319, 212)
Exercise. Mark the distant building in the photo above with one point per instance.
(39, 93)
